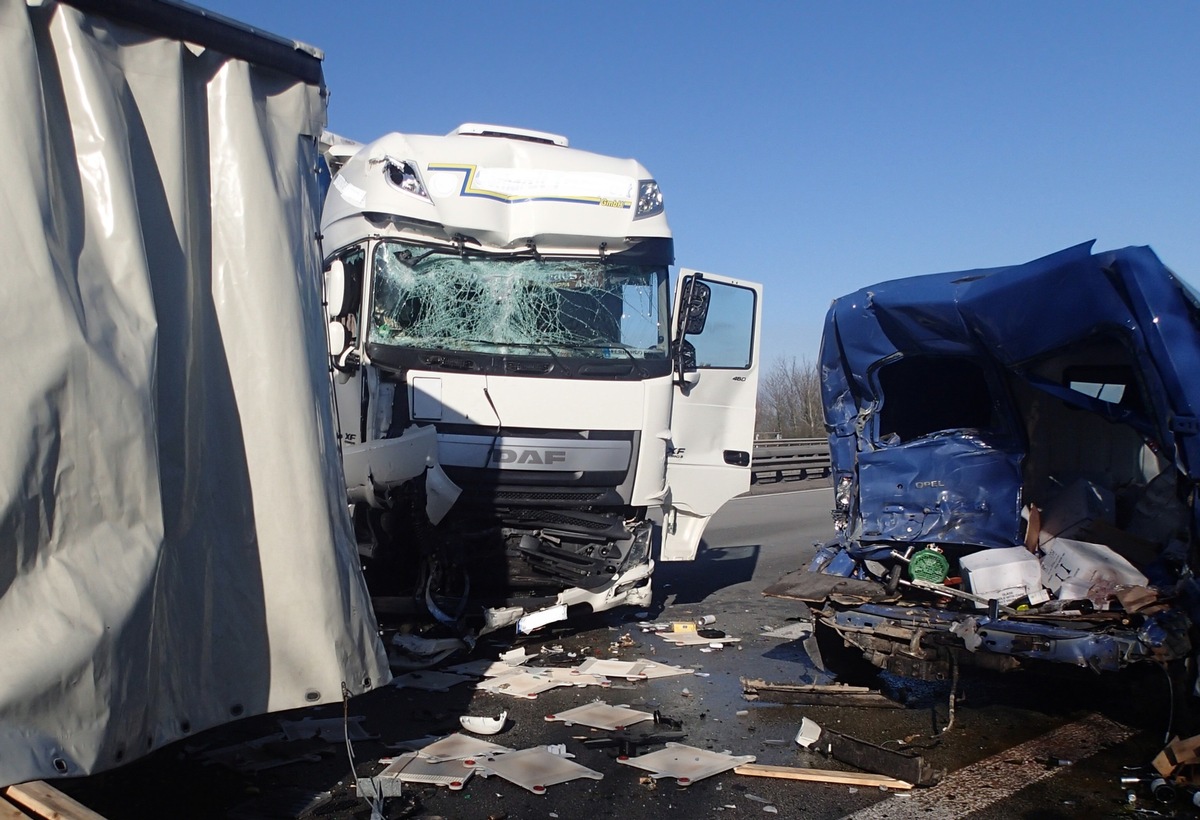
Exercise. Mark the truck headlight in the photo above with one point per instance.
(650, 199)
(841, 497)
(403, 174)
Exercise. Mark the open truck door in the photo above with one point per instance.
(715, 351)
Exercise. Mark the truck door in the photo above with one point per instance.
(715, 347)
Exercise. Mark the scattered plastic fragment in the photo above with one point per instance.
(407, 651)
(600, 715)
(483, 725)
(413, 768)
(686, 764)
(704, 637)
(534, 769)
(460, 747)
(810, 733)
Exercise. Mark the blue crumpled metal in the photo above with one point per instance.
(1006, 316)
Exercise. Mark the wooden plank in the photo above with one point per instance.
(821, 776)
(10, 812)
(44, 800)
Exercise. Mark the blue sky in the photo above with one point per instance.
(813, 147)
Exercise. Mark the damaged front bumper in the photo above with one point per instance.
(632, 588)
(922, 633)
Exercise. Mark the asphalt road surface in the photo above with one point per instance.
(1032, 745)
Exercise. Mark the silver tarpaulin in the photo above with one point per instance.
(175, 551)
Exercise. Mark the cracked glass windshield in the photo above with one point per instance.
(581, 308)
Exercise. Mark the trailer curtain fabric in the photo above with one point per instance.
(175, 550)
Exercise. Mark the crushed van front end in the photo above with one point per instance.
(1013, 456)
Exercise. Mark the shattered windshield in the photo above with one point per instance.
(565, 307)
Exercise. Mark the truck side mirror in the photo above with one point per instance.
(686, 371)
(695, 306)
(335, 289)
(341, 350)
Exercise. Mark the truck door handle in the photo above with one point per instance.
(738, 458)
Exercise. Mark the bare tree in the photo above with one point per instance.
(789, 399)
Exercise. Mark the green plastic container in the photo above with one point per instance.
(929, 565)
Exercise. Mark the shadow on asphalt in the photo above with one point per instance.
(691, 582)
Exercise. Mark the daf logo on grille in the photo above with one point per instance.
(507, 455)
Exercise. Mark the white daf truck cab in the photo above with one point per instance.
(514, 389)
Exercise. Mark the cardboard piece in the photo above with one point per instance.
(1177, 756)
(1136, 599)
(1005, 575)
(1080, 569)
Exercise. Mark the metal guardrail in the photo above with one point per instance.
(797, 457)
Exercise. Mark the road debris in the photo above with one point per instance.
(701, 637)
(483, 725)
(909, 767)
(631, 670)
(816, 695)
(38, 798)
(458, 746)
(600, 715)
(821, 776)
(534, 769)
(413, 767)
(1180, 760)
(686, 764)
(408, 651)
(521, 683)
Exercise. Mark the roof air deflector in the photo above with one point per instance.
(475, 129)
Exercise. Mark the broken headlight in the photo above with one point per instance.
(403, 174)
(650, 199)
(841, 495)
(843, 490)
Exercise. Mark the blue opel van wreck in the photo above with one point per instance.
(1015, 454)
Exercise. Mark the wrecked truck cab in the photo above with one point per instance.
(1014, 454)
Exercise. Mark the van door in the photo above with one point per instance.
(715, 347)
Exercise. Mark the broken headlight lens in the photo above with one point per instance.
(403, 174)
(650, 199)
(841, 497)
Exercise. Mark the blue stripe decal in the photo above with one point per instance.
(468, 189)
